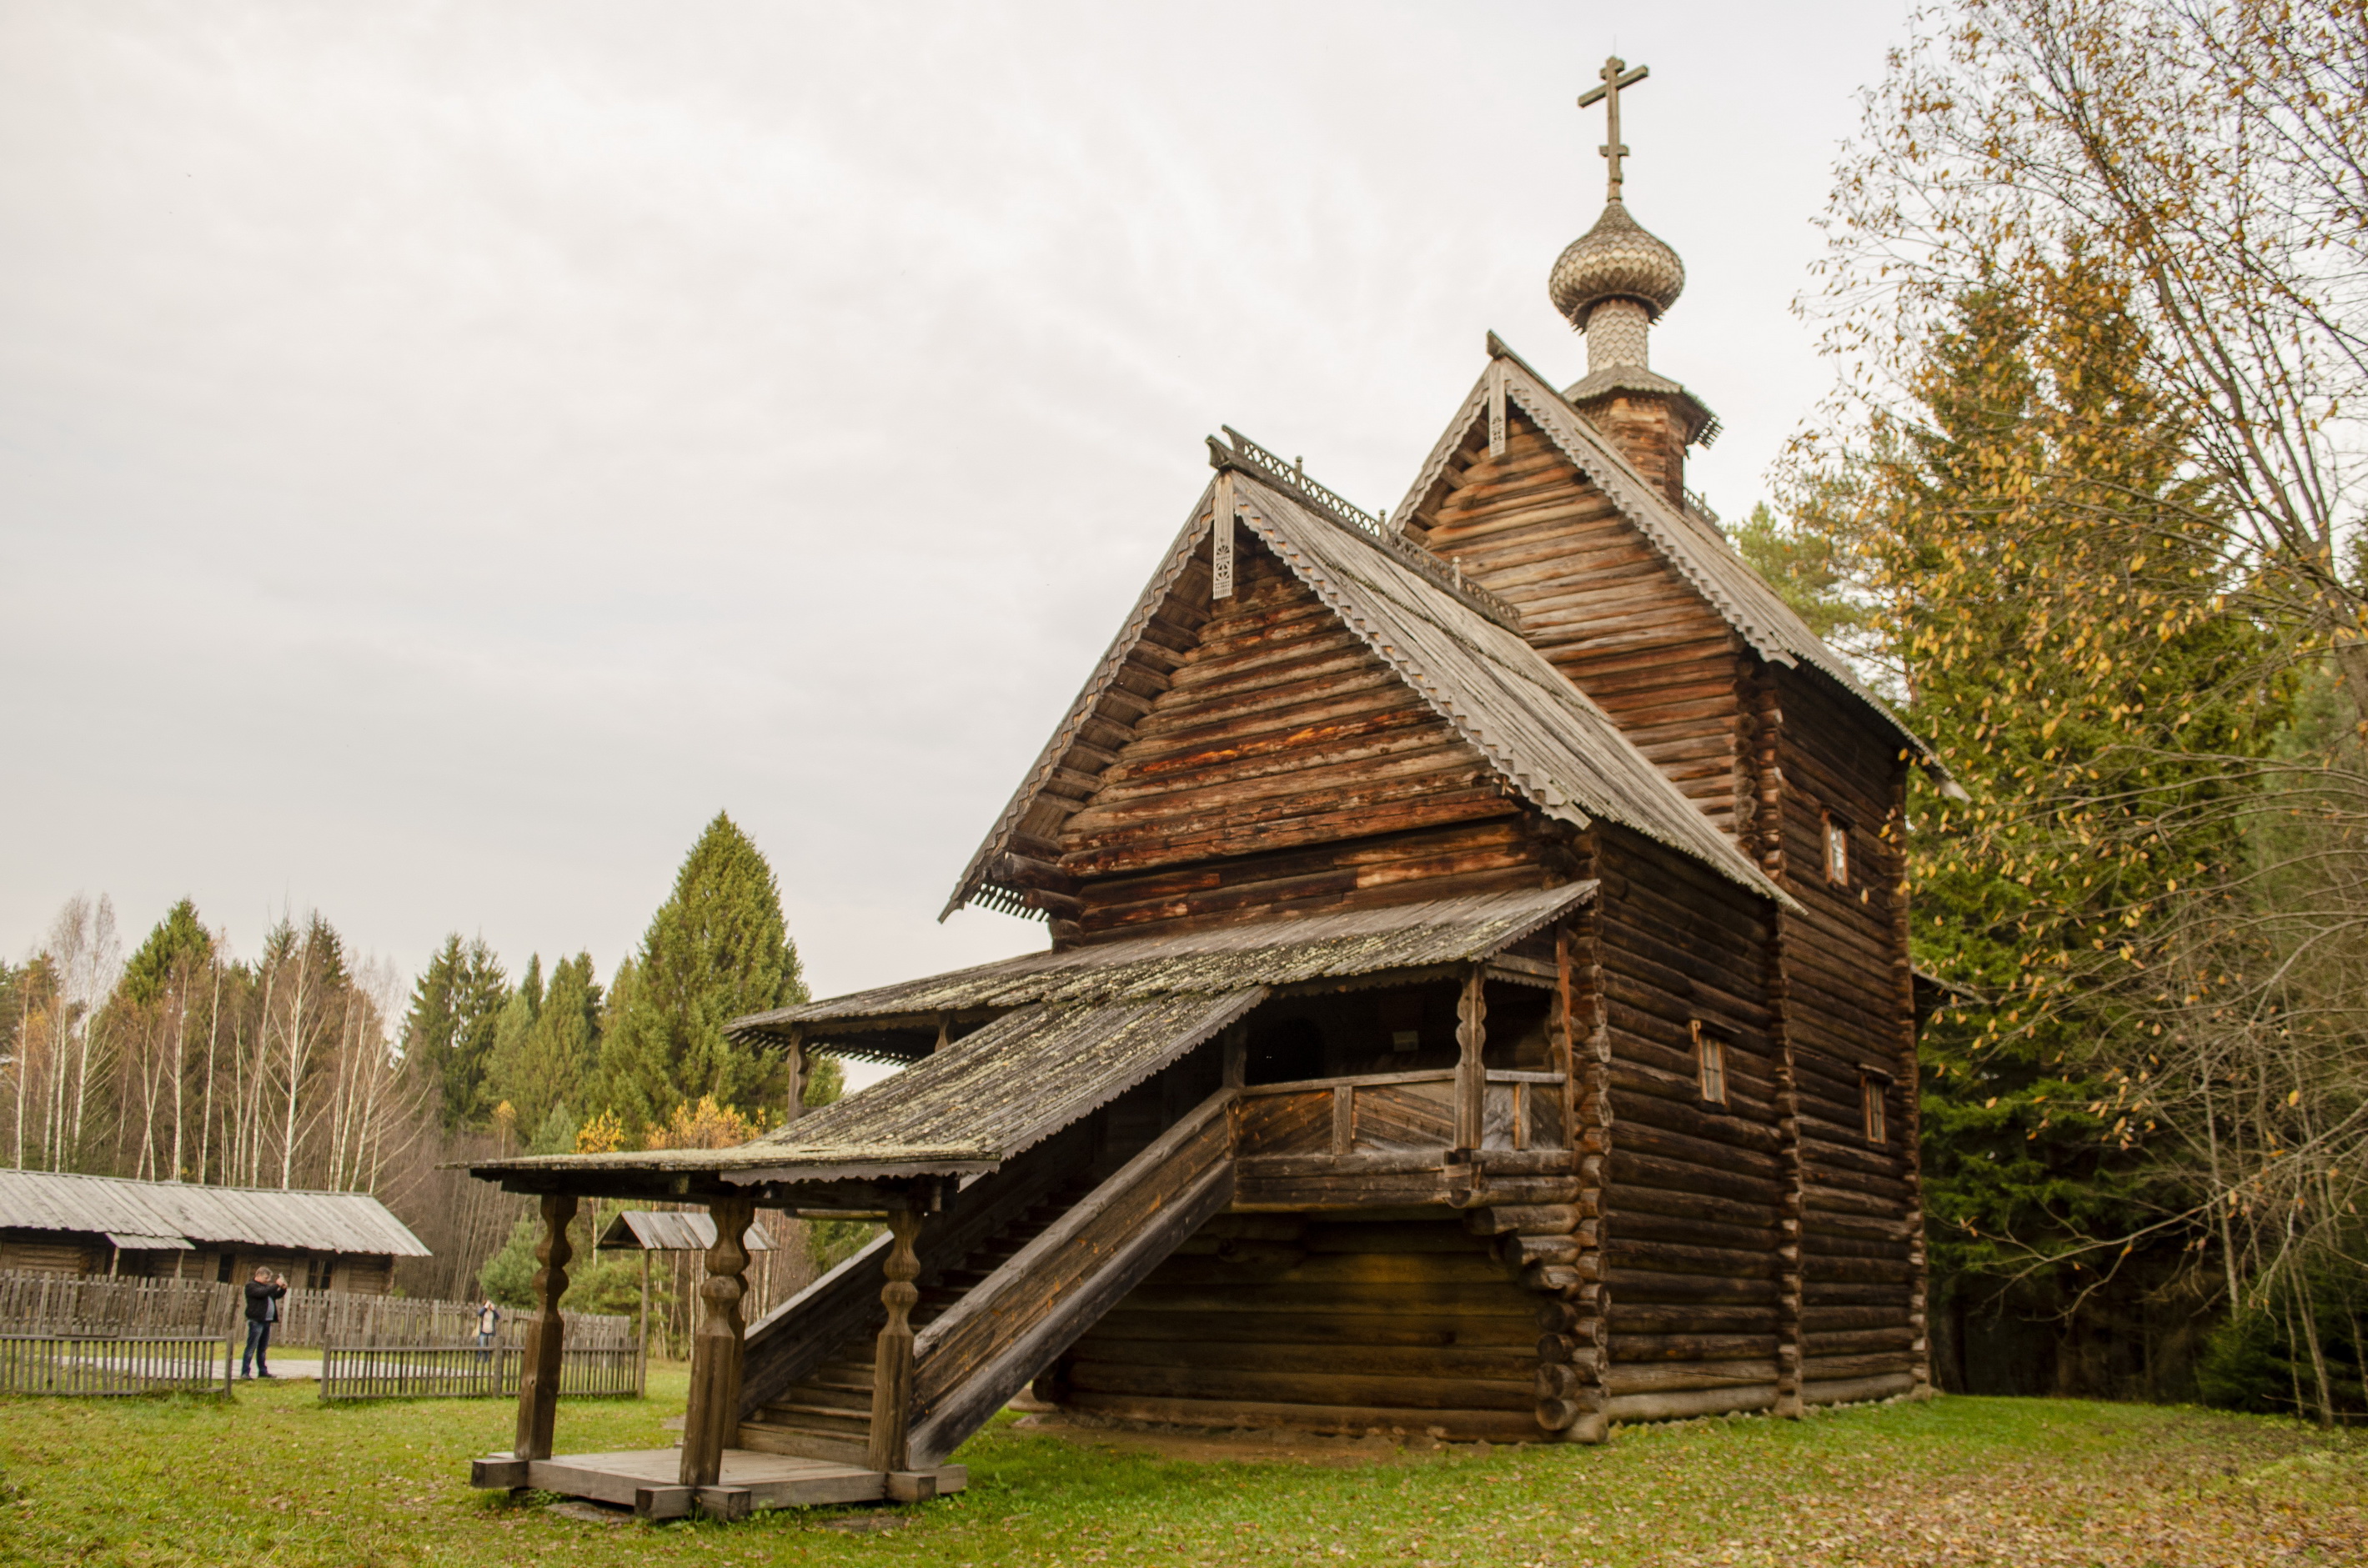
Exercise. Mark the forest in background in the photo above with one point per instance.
(2088, 505)
(300, 1067)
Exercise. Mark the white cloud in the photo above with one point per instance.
(448, 451)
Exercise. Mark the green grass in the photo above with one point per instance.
(273, 1477)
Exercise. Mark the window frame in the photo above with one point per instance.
(1874, 1106)
(1834, 833)
(1711, 1075)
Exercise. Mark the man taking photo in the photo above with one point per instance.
(263, 1293)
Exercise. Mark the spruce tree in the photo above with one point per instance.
(717, 949)
(547, 1043)
(2045, 582)
(178, 945)
(455, 1010)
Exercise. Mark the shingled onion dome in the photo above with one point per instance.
(1612, 283)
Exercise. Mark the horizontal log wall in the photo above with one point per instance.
(1283, 766)
(1691, 1236)
(1600, 602)
(1329, 1323)
(1846, 1010)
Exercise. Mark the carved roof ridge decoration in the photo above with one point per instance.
(1700, 555)
(1247, 456)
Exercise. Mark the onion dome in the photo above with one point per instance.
(1617, 260)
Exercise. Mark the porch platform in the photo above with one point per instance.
(645, 1480)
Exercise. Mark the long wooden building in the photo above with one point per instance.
(1477, 1000)
(65, 1223)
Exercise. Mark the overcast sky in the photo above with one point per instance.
(449, 452)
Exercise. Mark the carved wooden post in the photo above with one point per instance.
(538, 1410)
(713, 1420)
(891, 1367)
(794, 1058)
(1471, 1076)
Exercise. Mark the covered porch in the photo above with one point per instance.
(1069, 1121)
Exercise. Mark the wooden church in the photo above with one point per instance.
(1478, 999)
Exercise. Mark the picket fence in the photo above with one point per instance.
(70, 1304)
(77, 1367)
(421, 1372)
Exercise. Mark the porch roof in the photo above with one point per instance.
(1076, 1029)
(1286, 950)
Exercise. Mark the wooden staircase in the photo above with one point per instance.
(1020, 1264)
(828, 1413)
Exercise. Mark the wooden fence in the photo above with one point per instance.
(79, 1365)
(444, 1371)
(71, 1304)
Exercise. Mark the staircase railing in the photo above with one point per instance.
(988, 1345)
(789, 1342)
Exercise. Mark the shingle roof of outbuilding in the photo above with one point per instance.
(258, 1217)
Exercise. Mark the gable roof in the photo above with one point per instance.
(1691, 544)
(1456, 646)
(166, 1212)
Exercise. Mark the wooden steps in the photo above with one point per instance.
(827, 1414)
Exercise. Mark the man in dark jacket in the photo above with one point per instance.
(263, 1293)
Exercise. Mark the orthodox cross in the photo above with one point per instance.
(1616, 75)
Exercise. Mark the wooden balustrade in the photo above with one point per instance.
(1390, 1113)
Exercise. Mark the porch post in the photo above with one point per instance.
(545, 1332)
(891, 1367)
(1471, 1076)
(713, 1420)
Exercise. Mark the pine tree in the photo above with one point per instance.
(717, 949)
(455, 1010)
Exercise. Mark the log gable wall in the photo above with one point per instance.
(1283, 766)
(1602, 606)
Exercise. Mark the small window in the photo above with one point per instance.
(1874, 1093)
(1710, 1064)
(1838, 855)
(221, 1268)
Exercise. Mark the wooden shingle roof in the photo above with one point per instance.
(1285, 951)
(1082, 1027)
(1457, 647)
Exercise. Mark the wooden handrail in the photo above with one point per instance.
(804, 1332)
(1037, 1303)
(1383, 1080)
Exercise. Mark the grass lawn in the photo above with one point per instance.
(276, 1478)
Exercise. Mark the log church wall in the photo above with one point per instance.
(1284, 769)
